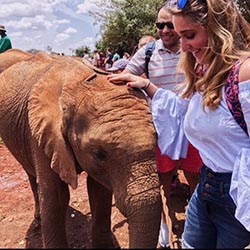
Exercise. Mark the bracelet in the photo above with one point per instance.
(144, 88)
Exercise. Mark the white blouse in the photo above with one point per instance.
(222, 143)
(215, 133)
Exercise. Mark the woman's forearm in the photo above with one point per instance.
(150, 89)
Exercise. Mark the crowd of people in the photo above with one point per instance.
(110, 62)
(208, 113)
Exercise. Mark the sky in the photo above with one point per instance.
(63, 25)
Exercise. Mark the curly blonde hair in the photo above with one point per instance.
(228, 40)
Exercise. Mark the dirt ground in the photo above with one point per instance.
(18, 230)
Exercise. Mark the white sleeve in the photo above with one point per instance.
(168, 110)
(240, 188)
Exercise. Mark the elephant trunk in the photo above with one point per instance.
(142, 206)
(144, 234)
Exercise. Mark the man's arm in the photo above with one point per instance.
(126, 71)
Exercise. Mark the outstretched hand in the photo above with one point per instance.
(131, 80)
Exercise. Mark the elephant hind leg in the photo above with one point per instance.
(33, 184)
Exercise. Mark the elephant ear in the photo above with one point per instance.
(45, 120)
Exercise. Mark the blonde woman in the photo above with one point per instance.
(215, 43)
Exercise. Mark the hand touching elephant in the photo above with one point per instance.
(59, 117)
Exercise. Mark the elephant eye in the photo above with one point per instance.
(100, 154)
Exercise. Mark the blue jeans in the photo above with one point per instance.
(210, 221)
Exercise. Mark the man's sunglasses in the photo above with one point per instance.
(161, 26)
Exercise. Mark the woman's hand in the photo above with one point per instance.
(131, 80)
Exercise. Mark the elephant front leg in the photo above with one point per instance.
(54, 203)
(100, 200)
(54, 200)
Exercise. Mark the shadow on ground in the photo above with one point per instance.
(78, 231)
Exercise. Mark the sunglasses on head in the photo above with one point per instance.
(180, 3)
(161, 25)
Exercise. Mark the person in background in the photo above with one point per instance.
(96, 59)
(215, 40)
(162, 71)
(108, 59)
(118, 66)
(87, 57)
(126, 55)
(116, 56)
(5, 42)
(102, 60)
(145, 39)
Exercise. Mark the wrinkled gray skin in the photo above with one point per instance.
(58, 117)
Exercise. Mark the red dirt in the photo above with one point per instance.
(18, 230)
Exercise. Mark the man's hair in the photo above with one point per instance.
(163, 5)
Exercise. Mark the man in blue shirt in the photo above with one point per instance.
(5, 42)
(116, 56)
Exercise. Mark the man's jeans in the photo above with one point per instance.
(210, 221)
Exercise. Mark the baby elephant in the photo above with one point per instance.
(59, 117)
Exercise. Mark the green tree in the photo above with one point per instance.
(80, 51)
(100, 46)
(124, 22)
(244, 6)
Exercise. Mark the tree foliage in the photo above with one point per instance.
(244, 6)
(124, 22)
(80, 51)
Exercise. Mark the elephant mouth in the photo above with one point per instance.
(139, 192)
